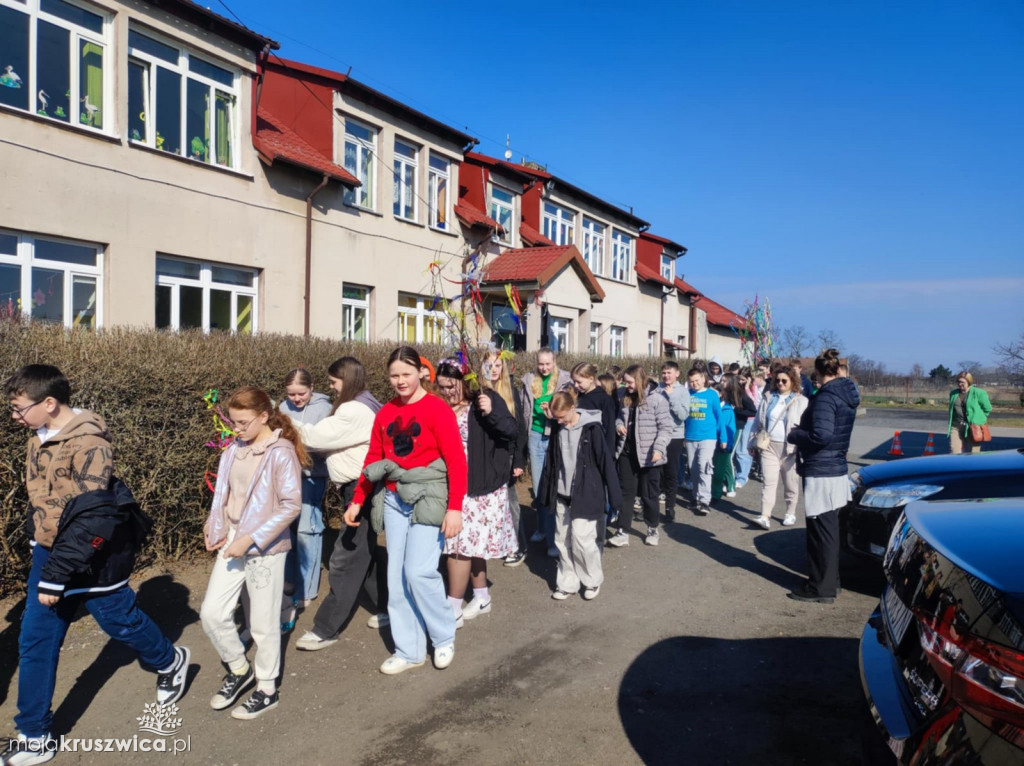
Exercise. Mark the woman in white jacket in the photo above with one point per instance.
(779, 413)
(355, 562)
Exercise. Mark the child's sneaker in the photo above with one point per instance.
(619, 539)
(560, 595)
(231, 689)
(591, 593)
(25, 751)
(475, 608)
(311, 642)
(378, 621)
(443, 657)
(257, 704)
(171, 685)
(652, 536)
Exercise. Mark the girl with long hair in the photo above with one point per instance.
(257, 496)
(779, 413)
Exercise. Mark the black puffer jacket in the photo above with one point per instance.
(823, 436)
(492, 439)
(595, 473)
(99, 535)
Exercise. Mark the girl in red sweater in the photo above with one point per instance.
(415, 452)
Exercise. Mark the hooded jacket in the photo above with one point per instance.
(344, 435)
(77, 459)
(721, 369)
(598, 399)
(678, 406)
(317, 408)
(489, 446)
(823, 436)
(653, 432)
(594, 472)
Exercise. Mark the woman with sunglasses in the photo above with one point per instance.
(778, 414)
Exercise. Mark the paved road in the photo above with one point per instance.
(691, 655)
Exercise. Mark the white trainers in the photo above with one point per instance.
(764, 521)
(730, 494)
(311, 642)
(443, 657)
(619, 540)
(475, 608)
(25, 751)
(394, 665)
(378, 621)
(652, 536)
(560, 595)
(591, 593)
(171, 685)
(789, 521)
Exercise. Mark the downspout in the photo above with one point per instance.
(309, 252)
(661, 327)
(693, 328)
(261, 69)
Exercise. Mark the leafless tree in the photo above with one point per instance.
(829, 339)
(970, 365)
(917, 371)
(1010, 357)
(795, 340)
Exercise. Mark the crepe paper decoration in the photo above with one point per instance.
(756, 332)
(225, 433)
(206, 478)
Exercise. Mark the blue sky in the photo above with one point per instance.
(861, 164)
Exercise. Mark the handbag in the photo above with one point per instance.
(980, 433)
(762, 440)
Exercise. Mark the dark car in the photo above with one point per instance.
(942, 657)
(881, 491)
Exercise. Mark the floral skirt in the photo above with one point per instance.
(487, 530)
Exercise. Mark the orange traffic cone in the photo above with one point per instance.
(929, 447)
(896, 448)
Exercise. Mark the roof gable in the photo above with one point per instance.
(540, 265)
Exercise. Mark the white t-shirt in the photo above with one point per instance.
(777, 417)
(45, 433)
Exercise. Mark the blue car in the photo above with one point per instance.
(881, 491)
(942, 657)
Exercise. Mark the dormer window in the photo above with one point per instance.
(668, 267)
(502, 211)
(559, 224)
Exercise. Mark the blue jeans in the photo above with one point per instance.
(302, 567)
(42, 633)
(742, 456)
(538, 449)
(417, 603)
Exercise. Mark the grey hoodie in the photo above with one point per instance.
(568, 443)
(721, 369)
(318, 408)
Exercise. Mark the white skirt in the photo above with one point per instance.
(825, 493)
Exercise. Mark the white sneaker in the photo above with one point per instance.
(619, 540)
(591, 593)
(378, 621)
(25, 751)
(560, 595)
(764, 521)
(730, 494)
(394, 665)
(652, 536)
(443, 657)
(789, 521)
(311, 642)
(475, 608)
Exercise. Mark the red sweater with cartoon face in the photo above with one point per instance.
(414, 436)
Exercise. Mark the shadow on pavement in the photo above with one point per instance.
(696, 700)
(9, 647)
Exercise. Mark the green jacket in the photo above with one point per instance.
(426, 489)
(978, 407)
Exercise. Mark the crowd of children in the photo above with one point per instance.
(434, 470)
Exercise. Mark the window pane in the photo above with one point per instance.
(215, 73)
(220, 310)
(61, 251)
(8, 244)
(90, 83)
(52, 66)
(74, 14)
(168, 111)
(353, 323)
(408, 301)
(138, 78)
(190, 309)
(163, 306)
(243, 322)
(366, 176)
(442, 202)
(48, 295)
(172, 268)
(501, 194)
(224, 105)
(83, 302)
(13, 58)
(148, 45)
(229, 276)
(354, 293)
(10, 291)
(438, 163)
(357, 130)
(197, 111)
(404, 150)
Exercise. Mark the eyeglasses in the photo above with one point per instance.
(20, 411)
(782, 381)
(241, 425)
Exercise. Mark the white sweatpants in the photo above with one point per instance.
(579, 557)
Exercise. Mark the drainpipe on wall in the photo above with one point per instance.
(309, 252)
(661, 327)
(693, 327)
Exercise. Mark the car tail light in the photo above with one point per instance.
(986, 679)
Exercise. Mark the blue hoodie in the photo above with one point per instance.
(705, 420)
(729, 427)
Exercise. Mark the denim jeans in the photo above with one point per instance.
(538, 449)
(417, 603)
(42, 633)
(741, 455)
(302, 568)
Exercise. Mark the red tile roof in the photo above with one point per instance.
(533, 237)
(471, 216)
(686, 288)
(275, 141)
(718, 314)
(646, 272)
(540, 265)
(663, 241)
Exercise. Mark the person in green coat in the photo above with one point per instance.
(968, 406)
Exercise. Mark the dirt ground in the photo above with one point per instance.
(691, 654)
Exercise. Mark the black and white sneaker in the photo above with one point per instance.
(25, 751)
(231, 689)
(171, 685)
(257, 704)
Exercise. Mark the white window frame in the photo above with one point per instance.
(421, 315)
(558, 334)
(437, 218)
(616, 341)
(349, 307)
(206, 283)
(26, 260)
(559, 224)
(652, 343)
(668, 267)
(593, 244)
(622, 256)
(498, 205)
(366, 195)
(595, 338)
(402, 187)
(151, 63)
(30, 78)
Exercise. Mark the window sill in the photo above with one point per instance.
(409, 221)
(617, 281)
(361, 209)
(443, 231)
(189, 161)
(55, 123)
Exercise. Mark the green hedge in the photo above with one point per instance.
(149, 385)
